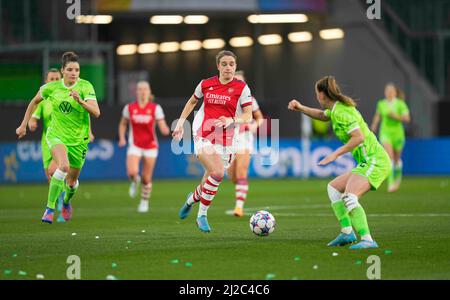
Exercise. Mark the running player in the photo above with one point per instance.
(392, 111)
(142, 141)
(238, 171)
(226, 102)
(72, 99)
(43, 112)
(373, 161)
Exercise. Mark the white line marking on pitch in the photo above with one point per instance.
(426, 215)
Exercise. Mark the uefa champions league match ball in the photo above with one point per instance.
(262, 223)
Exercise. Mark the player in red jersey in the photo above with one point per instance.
(142, 115)
(238, 171)
(227, 102)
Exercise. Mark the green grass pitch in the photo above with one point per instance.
(411, 226)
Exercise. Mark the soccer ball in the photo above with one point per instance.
(262, 223)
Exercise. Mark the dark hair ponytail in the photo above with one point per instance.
(68, 57)
(329, 86)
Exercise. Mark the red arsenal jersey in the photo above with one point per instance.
(142, 124)
(219, 100)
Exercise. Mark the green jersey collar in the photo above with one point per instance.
(69, 87)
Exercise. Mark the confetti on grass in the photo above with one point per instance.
(315, 267)
(358, 262)
(113, 265)
(297, 258)
(39, 276)
(74, 233)
(174, 261)
(335, 254)
(188, 264)
(7, 272)
(22, 273)
(111, 277)
(387, 251)
(270, 276)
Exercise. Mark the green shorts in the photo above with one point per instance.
(46, 154)
(376, 170)
(76, 154)
(396, 141)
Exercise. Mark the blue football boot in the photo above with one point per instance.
(343, 239)
(364, 245)
(186, 209)
(203, 225)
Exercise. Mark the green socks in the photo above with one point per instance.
(70, 192)
(56, 188)
(359, 221)
(341, 214)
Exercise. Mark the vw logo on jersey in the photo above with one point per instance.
(65, 107)
(230, 90)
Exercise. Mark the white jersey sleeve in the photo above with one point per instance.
(255, 106)
(126, 112)
(159, 113)
(246, 97)
(198, 93)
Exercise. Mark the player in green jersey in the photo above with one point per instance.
(72, 99)
(373, 165)
(43, 112)
(392, 111)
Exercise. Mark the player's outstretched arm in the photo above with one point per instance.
(21, 131)
(356, 138)
(314, 113)
(188, 108)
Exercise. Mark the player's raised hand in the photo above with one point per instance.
(75, 95)
(294, 105)
(223, 122)
(21, 131)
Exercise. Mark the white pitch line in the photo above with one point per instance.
(425, 215)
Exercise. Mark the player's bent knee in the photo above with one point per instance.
(350, 201)
(218, 174)
(333, 193)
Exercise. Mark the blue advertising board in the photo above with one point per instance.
(21, 161)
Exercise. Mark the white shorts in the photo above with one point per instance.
(226, 152)
(245, 141)
(134, 150)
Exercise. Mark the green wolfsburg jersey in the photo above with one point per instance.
(69, 120)
(388, 125)
(344, 120)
